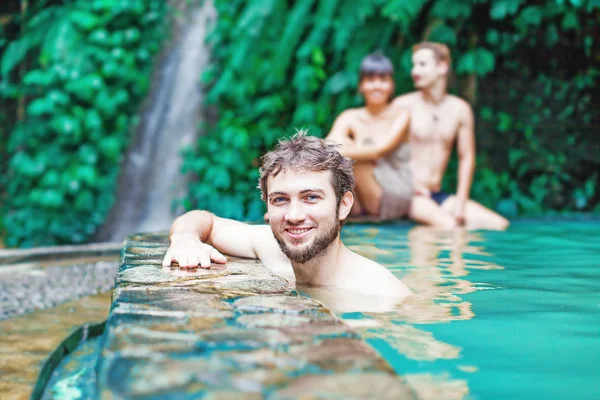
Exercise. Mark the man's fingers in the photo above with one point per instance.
(168, 259)
(204, 260)
(218, 257)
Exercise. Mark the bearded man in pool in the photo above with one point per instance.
(308, 187)
(439, 119)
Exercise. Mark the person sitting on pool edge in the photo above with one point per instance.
(438, 120)
(374, 136)
(308, 187)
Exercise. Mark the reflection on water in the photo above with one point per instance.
(495, 314)
(26, 341)
(432, 264)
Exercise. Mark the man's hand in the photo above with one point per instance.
(421, 190)
(189, 252)
(459, 212)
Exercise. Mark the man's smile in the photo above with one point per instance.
(297, 232)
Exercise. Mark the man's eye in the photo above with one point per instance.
(312, 197)
(278, 200)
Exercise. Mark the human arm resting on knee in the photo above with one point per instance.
(198, 238)
(392, 140)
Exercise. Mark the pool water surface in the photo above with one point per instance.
(495, 315)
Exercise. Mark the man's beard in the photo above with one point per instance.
(319, 245)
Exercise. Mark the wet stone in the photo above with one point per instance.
(279, 304)
(149, 251)
(135, 261)
(347, 386)
(230, 331)
(172, 300)
(147, 274)
(272, 320)
(149, 238)
(143, 341)
(340, 354)
(241, 283)
(232, 336)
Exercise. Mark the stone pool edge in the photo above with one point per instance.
(231, 330)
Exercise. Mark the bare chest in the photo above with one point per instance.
(430, 124)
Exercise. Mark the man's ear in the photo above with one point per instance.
(346, 205)
(443, 68)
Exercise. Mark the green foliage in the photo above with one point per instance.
(85, 67)
(269, 78)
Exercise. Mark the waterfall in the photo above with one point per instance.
(150, 176)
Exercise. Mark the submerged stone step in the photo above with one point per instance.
(232, 331)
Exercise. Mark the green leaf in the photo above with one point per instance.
(552, 35)
(84, 20)
(570, 21)
(531, 15)
(443, 34)
(13, 55)
(503, 8)
(61, 41)
(452, 9)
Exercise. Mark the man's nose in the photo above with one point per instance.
(295, 213)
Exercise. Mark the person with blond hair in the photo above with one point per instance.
(437, 121)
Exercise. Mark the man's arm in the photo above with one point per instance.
(391, 141)
(465, 144)
(340, 132)
(199, 237)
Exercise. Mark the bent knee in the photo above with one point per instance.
(445, 222)
(502, 224)
(372, 205)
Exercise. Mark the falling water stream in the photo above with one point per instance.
(151, 179)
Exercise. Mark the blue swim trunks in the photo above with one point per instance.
(439, 197)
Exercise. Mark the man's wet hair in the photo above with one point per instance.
(376, 64)
(308, 153)
(441, 52)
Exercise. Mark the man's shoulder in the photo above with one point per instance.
(461, 104)
(405, 100)
(378, 279)
(351, 113)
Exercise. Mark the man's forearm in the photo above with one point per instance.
(466, 167)
(197, 223)
(356, 153)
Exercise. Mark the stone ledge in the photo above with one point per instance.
(13, 256)
(235, 331)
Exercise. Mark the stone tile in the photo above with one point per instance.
(145, 251)
(228, 332)
(272, 320)
(366, 385)
(145, 274)
(279, 304)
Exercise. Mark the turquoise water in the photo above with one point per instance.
(495, 315)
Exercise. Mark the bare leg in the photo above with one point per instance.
(368, 190)
(478, 216)
(426, 211)
(357, 209)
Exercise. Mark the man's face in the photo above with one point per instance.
(377, 89)
(303, 213)
(426, 70)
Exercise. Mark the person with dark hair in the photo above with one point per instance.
(439, 119)
(374, 136)
(308, 187)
